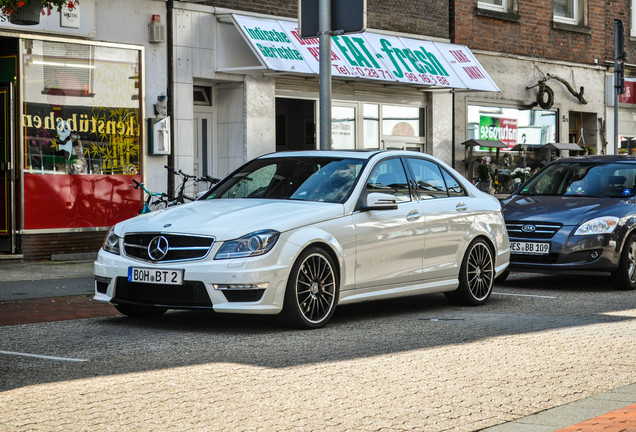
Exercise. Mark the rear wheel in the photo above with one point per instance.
(624, 277)
(475, 275)
(138, 311)
(312, 291)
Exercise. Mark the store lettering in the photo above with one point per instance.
(407, 58)
(356, 51)
(280, 52)
(267, 35)
(460, 56)
(474, 72)
(84, 124)
(498, 133)
(313, 50)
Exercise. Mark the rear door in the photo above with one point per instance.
(446, 207)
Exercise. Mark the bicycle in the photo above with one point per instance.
(159, 203)
(181, 196)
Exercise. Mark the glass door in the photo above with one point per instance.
(7, 166)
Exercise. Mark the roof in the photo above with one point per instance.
(597, 159)
(485, 143)
(563, 146)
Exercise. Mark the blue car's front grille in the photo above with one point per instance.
(532, 230)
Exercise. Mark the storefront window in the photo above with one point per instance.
(343, 127)
(371, 126)
(400, 120)
(523, 131)
(81, 124)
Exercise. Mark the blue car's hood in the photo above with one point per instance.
(568, 210)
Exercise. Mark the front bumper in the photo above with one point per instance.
(251, 285)
(589, 253)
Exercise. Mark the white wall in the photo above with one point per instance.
(126, 22)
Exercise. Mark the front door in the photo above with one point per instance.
(7, 166)
(204, 148)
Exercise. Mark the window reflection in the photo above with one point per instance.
(400, 120)
(82, 108)
(371, 126)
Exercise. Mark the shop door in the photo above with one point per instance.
(7, 166)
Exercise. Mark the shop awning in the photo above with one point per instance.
(275, 45)
(563, 146)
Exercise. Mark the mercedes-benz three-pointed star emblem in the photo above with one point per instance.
(158, 248)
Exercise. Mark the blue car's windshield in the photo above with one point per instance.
(584, 179)
(297, 178)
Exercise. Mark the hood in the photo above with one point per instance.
(228, 219)
(568, 210)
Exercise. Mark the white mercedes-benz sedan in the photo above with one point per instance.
(296, 234)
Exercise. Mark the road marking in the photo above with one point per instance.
(45, 357)
(524, 295)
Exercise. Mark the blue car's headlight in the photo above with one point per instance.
(602, 225)
(254, 244)
(111, 243)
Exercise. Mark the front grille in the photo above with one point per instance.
(192, 294)
(533, 259)
(180, 247)
(543, 230)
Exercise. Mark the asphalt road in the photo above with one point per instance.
(416, 364)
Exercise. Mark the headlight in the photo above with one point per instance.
(254, 244)
(602, 225)
(111, 243)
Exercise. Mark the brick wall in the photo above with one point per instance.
(424, 17)
(618, 10)
(532, 34)
(42, 246)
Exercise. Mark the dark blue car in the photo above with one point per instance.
(576, 215)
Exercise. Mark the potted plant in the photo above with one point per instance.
(27, 12)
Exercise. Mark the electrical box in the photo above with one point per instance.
(159, 136)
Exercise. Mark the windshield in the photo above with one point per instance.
(296, 178)
(584, 179)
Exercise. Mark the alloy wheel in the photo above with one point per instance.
(315, 288)
(480, 271)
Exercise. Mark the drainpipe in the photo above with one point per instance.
(170, 91)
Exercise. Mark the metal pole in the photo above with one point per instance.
(615, 112)
(324, 40)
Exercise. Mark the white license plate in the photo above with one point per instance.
(155, 276)
(529, 248)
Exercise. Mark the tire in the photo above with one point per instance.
(312, 291)
(624, 277)
(137, 311)
(476, 276)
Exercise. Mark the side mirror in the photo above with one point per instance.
(379, 201)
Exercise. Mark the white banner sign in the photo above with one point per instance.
(367, 55)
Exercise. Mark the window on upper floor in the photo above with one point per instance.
(568, 11)
(496, 5)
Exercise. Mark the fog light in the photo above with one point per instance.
(594, 254)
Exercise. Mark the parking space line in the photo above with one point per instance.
(45, 357)
(524, 295)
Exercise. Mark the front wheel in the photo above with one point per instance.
(138, 311)
(624, 277)
(312, 291)
(475, 275)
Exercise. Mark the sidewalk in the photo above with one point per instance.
(32, 292)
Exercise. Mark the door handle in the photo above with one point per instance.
(413, 215)
(461, 207)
